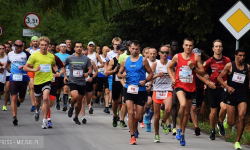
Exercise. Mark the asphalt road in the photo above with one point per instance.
(97, 134)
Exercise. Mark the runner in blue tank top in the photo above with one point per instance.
(135, 90)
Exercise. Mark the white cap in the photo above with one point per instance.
(91, 43)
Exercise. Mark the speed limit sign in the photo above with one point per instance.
(31, 20)
(1, 31)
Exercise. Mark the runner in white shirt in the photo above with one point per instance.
(7, 83)
(162, 90)
(3, 60)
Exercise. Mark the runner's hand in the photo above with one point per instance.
(211, 85)
(58, 74)
(20, 67)
(143, 82)
(38, 68)
(206, 76)
(160, 74)
(65, 80)
(173, 82)
(148, 89)
(86, 75)
(124, 75)
(89, 79)
(54, 75)
(230, 90)
(190, 64)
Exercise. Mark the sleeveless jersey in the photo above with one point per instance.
(135, 73)
(115, 78)
(164, 82)
(238, 80)
(184, 76)
(101, 70)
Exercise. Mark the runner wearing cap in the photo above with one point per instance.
(42, 62)
(96, 58)
(184, 82)
(216, 93)
(62, 55)
(18, 77)
(35, 47)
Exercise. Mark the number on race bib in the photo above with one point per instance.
(17, 77)
(238, 77)
(185, 74)
(161, 94)
(77, 73)
(45, 67)
(133, 89)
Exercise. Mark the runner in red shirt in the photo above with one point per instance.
(184, 82)
(216, 93)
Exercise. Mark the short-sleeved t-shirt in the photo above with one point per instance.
(45, 62)
(72, 51)
(59, 64)
(63, 58)
(77, 67)
(16, 60)
(214, 67)
(111, 55)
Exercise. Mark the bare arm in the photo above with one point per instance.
(224, 72)
(120, 74)
(200, 70)
(149, 71)
(170, 68)
(110, 66)
(100, 60)
(29, 68)
(95, 69)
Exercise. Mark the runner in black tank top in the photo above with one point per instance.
(237, 87)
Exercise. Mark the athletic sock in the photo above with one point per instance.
(151, 114)
(65, 98)
(147, 110)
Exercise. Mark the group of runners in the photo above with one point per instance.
(138, 84)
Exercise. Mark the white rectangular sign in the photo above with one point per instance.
(30, 33)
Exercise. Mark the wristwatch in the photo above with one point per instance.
(194, 68)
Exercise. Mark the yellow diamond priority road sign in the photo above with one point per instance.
(237, 20)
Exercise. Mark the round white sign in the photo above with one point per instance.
(31, 20)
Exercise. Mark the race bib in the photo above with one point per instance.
(185, 74)
(77, 73)
(45, 67)
(116, 78)
(67, 72)
(147, 84)
(133, 89)
(54, 79)
(17, 77)
(161, 94)
(238, 77)
(1, 77)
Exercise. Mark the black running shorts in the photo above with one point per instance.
(138, 99)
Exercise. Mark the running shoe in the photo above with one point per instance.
(45, 124)
(70, 112)
(157, 138)
(132, 141)
(136, 133)
(165, 129)
(91, 110)
(146, 119)
(161, 114)
(174, 132)
(36, 116)
(161, 123)
(212, 134)
(70, 99)
(148, 128)
(237, 146)
(225, 123)
(84, 120)
(122, 124)
(49, 124)
(114, 122)
(106, 110)
(64, 107)
(197, 131)
(57, 106)
(182, 140)
(76, 121)
(221, 129)
(28, 92)
(4, 108)
(15, 121)
(118, 118)
(18, 103)
(178, 134)
(142, 125)
(110, 105)
(33, 108)
(169, 128)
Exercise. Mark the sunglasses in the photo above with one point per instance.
(18, 45)
(164, 52)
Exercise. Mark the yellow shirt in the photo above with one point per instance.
(45, 62)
